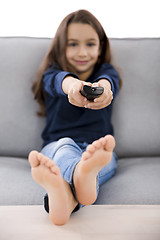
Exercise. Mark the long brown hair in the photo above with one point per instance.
(57, 52)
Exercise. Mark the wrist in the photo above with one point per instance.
(67, 83)
(105, 83)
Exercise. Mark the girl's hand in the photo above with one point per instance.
(72, 86)
(105, 99)
(74, 95)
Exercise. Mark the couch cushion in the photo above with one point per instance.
(16, 184)
(137, 181)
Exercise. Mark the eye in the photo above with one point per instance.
(72, 44)
(90, 44)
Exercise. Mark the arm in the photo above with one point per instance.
(107, 72)
(57, 82)
(53, 79)
(107, 78)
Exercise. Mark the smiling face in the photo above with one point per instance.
(83, 49)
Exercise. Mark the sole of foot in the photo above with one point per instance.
(47, 174)
(97, 155)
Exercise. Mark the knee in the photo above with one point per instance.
(65, 141)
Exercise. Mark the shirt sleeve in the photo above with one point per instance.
(107, 71)
(52, 81)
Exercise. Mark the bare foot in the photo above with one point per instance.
(97, 155)
(47, 174)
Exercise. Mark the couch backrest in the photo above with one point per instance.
(136, 115)
(20, 128)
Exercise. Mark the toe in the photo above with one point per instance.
(43, 159)
(48, 163)
(98, 143)
(86, 155)
(109, 143)
(33, 159)
(54, 169)
(91, 148)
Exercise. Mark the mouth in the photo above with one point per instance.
(81, 62)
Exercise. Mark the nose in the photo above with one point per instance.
(82, 51)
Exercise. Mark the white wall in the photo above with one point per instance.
(40, 18)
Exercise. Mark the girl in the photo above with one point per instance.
(77, 155)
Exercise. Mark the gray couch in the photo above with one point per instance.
(136, 119)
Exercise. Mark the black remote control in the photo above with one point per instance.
(91, 92)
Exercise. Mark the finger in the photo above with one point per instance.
(87, 83)
(101, 98)
(98, 105)
(107, 97)
(77, 99)
(96, 84)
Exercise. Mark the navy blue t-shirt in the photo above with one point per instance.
(66, 120)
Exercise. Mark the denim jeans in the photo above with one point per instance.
(66, 154)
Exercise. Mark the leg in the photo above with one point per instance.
(94, 159)
(47, 174)
(66, 154)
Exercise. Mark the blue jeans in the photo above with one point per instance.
(66, 154)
